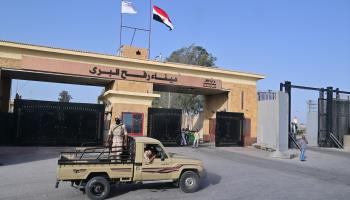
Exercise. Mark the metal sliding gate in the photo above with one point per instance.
(229, 129)
(6, 128)
(58, 124)
(337, 122)
(164, 125)
(333, 114)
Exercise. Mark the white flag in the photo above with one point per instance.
(128, 8)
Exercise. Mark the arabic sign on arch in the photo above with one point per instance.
(108, 72)
(126, 74)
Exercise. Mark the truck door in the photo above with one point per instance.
(159, 168)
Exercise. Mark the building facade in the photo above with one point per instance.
(130, 81)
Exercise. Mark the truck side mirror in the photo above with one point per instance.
(162, 156)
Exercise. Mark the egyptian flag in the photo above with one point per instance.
(162, 17)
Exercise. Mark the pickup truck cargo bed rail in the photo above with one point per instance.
(99, 155)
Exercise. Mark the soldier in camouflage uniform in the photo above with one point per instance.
(118, 135)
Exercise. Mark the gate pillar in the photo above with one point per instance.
(213, 103)
(130, 97)
(5, 91)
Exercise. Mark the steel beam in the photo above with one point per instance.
(329, 114)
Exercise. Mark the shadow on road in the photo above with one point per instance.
(153, 187)
(19, 155)
(211, 179)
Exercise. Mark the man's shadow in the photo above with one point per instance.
(210, 179)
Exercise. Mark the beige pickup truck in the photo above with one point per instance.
(94, 170)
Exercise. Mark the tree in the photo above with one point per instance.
(190, 103)
(64, 96)
(100, 97)
(164, 101)
(193, 55)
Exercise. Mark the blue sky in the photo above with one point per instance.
(304, 41)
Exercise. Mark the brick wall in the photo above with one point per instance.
(134, 52)
(132, 86)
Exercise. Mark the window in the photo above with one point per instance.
(156, 150)
(133, 123)
(242, 100)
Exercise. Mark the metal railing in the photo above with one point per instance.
(294, 140)
(267, 96)
(335, 140)
(97, 155)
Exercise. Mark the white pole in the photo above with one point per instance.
(169, 99)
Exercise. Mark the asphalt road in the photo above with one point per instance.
(233, 173)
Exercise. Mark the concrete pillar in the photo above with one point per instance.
(312, 128)
(346, 142)
(273, 122)
(5, 92)
(130, 96)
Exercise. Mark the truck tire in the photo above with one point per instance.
(189, 182)
(97, 188)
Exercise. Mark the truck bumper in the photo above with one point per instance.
(203, 174)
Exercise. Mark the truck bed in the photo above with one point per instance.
(99, 155)
(96, 155)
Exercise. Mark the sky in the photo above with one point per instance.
(304, 41)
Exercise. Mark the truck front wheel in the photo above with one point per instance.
(189, 182)
(97, 188)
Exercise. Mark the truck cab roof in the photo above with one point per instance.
(143, 139)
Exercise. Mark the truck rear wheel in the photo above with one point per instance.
(189, 182)
(97, 188)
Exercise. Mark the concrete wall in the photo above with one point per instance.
(273, 122)
(312, 128)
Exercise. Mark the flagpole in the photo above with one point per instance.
(121, 26)
(150, 29)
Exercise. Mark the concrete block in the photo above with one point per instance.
(347, 143)
(284, 154)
